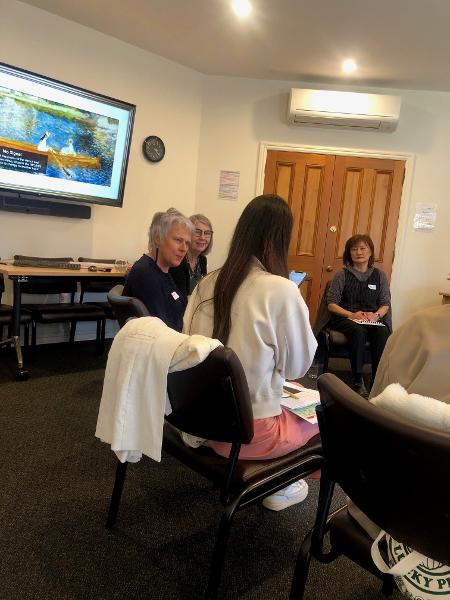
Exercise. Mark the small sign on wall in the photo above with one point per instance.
(229, 185)
(425, 217)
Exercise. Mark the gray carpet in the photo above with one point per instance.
(56, 483)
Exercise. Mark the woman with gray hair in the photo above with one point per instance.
(194, 265)
(149, 280)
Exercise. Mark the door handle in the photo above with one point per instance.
(329, 268)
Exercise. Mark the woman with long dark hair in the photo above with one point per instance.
(358, 299)
(251, 306)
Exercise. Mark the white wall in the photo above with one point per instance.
(168, 99)
(240, 113)
(210, 124)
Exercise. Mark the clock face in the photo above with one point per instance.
(153, 148)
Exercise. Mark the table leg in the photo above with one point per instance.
(21, 373)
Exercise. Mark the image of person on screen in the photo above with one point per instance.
(42, 144)
(68, 148)
(149, 279)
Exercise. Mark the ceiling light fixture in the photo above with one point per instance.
(349, 65)
(241, 7)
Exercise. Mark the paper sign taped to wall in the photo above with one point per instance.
(425, 217)
(229, 185)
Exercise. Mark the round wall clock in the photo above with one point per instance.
(153, 148)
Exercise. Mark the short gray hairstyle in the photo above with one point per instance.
(162, 222)
(202, 219)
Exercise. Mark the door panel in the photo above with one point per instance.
(307, 190)
(333, 198)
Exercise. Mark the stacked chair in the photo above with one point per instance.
(61, 312)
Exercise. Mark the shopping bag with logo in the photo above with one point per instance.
(417, 576)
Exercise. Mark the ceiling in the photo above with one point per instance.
(397, 43)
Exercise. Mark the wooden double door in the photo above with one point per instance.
(333, 197)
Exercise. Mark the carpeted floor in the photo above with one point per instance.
(56, 480)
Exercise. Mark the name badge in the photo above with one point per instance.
(372, 286)
(175, 296)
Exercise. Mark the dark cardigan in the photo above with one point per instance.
(181, 275)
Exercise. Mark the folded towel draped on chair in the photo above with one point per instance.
(134, 398)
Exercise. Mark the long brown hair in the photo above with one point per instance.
(263, 231)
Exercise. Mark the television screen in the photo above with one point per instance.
(60, 142)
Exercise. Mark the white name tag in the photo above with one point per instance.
(372, 286)
(175, 296)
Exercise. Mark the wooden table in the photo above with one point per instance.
(445, 297)
(20, 275)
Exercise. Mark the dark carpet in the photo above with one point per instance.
(56, 480)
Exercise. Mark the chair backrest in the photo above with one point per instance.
(396, 472)
(212, 400)
(126, 307)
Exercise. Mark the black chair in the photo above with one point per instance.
(211, 400)
(60, 312)
(6, 312)
(331, 343)
(125, 307)
(377, 459)
(100, 285)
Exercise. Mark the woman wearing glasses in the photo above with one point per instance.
(194, 266)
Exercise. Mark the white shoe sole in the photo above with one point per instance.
(278, 502)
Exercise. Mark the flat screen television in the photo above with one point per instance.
(61, 143)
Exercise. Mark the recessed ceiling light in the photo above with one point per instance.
(349, 65)
(241, 7)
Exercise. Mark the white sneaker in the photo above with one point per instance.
(292, 494)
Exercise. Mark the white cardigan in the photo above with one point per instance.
(270, 332)
(131, 414)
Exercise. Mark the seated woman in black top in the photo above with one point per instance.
(360, 291)
(194, 266)
(149, 280)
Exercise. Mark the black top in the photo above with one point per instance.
(157, 290)
(185, 278)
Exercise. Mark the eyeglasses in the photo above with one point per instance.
(200, 232)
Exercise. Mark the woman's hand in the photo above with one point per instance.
(358, 316)
(371, 316)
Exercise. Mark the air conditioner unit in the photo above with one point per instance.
(344, 109)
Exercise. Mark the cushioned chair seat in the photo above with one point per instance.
(351, 540)
(207, 463)
(57, 313)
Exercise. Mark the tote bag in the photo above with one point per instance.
(417, 576)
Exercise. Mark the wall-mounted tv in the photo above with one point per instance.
(61, 143)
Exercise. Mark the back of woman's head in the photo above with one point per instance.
(162, 222)
(263, 231)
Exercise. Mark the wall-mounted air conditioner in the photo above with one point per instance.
(344, 109)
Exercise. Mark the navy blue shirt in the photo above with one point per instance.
(157, 290)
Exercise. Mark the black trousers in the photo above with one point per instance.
(357, 336)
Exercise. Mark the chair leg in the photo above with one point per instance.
(388, 586)
(301, 569)
(101, 328)
(121, 472)
(73, 329)
(220, 548)
(33, 333)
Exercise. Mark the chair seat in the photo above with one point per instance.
(6, 314)
(210, 465)
(347, 536)
(107, 308)
(57, 313)
(338, 339)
